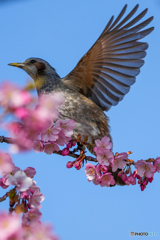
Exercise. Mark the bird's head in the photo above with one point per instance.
(35, 67)
(40, 70)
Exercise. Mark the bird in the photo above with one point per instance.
(101, 78)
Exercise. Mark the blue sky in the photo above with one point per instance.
(61, 32)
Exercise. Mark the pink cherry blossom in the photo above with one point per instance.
(31, 215)
(21, 145)
(105, 142)
(35, 122)
(21, 113)
(9, 225)
(131, 180)
(103, 168)
(157, 164)
(62, 139)
(38, 231)
(20, 180)
(95, 181)
(38, 146)
(22, 139)
(50, 147)
(35, 199)
(30, 172)
(20, 98)
(34, 187)
(49, 105)
(13, 97)
(50, 134)
(6, 165)
(107, 180)
(144, 168)
(119, 161)
(25, 195)
(15, 128)
(90, 171)
(66, 126)
(99, 173)
(104, 156)
(3, 183)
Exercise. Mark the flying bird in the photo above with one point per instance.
(101, 78)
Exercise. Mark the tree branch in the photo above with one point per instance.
(72, 154)
(9, 140)
(6, 140)
(4, 197)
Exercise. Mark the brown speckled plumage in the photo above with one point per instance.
(100, 79)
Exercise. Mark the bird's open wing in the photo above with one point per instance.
(106, 72)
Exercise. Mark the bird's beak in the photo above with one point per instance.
(20, 65)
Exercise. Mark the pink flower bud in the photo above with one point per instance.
(150, 179)
(120, 173)
(137, 176)
(73, 143)
(65, 151)
(124, 177)
(104, 169)
(69, 145)
(145, 181)
(69, 164)
(132, 180)
(25, 195)
(78, 164)
(142, 187)
(134, 173)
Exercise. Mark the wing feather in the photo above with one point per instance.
(107, 71)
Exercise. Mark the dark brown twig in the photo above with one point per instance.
(6, 140)
(4, 197)
(72, 154)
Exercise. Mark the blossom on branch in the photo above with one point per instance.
(144, 169)
(157, 164)
(90, 171)
(6, 165)
(31, 229)
(119, 161)
(107, 180)
(12, 97)
(31, 216)
(9, 225)
(105, 142)
(35, 199)
(20, 180)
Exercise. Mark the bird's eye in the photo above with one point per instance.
(32, 61)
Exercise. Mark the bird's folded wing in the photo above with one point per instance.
(106, 72)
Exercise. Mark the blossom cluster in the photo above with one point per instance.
(56, 135)
(109, 163)
(10, 228)
(26, 196)
(38, 127)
